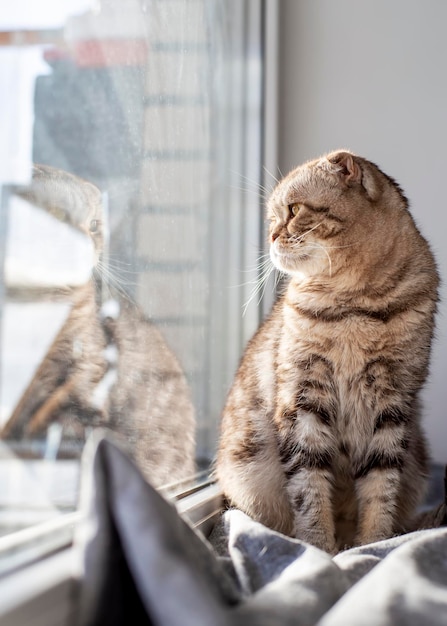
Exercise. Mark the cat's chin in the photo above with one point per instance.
(292, 264)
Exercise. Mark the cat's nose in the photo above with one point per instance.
(275, 236)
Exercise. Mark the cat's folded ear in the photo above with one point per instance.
(347, 166)
(353, 169)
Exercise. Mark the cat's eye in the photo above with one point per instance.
(94, 226)
(294, 208)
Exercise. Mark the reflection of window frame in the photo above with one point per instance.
(4, 201)
(43, 574)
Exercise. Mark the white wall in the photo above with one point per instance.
(372, 77)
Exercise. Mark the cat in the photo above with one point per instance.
(321, 436)
(108, 366)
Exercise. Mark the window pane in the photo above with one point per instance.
(130, 229)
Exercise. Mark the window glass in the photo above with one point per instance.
(129, 234)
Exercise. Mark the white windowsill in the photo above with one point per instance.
(39, 594)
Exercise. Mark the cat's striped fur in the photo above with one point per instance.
(321, 435)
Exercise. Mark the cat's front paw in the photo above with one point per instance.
(329, 546)
(371, 537)
(320, 540)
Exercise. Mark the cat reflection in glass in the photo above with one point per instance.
(108, 365)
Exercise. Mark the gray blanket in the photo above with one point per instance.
(142, 564)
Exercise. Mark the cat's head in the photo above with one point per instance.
(56, 236)
(69, 199)
(326, 210)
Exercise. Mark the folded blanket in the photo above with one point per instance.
(141, 563)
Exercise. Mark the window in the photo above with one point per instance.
(130, 231)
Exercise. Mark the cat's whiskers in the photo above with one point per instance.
(265, 269)
(263, 259)
(258, 192)
(279, 275)
(118, 264)
(316, 245)
(111, 280)
(349, 245)
(296, 240)
(255, 186)
(267, 171)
